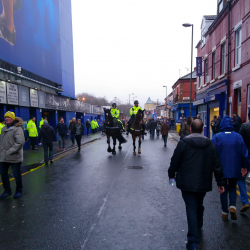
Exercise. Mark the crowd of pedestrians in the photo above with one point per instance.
(12, 139)
(195, 160)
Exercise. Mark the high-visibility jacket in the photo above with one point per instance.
(1, 126)
(134, 110)
(92, 124)
(32, 130)
(115, 113)
(41, 123)
(96, 124)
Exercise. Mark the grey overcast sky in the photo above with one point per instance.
(134, 46)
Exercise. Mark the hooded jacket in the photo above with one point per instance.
(47, 133)
(237, 123)
(195, 159)
(231, 149)
(11, 142)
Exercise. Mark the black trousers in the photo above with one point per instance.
(16, 168)
(195, 211)
(78, 140)
(33, 142)
(88, 131)
(48, 151)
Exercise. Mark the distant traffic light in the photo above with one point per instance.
(83, 99)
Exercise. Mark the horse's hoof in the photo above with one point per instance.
(134, 153)
(120, 148)
(113, 153)
(139, 152)
(109, 150)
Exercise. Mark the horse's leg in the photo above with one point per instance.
(139, 149)
(134, 144)
(120, 146)
(108, 141)
(114, 143)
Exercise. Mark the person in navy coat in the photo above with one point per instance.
(233, 154)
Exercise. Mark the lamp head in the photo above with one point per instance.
(187, 25)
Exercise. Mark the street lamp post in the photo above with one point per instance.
(115, 99)
(166, 91)
(134, 98)
(129, 98)
(186, 25)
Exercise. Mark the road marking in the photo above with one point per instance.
(238, 192)
(32, 170)
(126, 155)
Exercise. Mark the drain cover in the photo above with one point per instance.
(134, 167)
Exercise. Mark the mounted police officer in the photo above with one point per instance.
(133, 112)
(115, 114)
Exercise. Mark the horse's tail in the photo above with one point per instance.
(121, 139)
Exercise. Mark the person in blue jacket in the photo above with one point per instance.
(233, 154)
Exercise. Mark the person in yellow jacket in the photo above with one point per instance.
(96, 126)
(93, 126)
(116, 114)
(32, 130)
(1, 125)
(133, 112)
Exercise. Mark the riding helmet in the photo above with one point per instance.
(113, 104)
(136, 102)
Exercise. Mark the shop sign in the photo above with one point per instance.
(186, 98)
(170, 103)
(12, 94)
(199, 66)
(2, 92)
(23, 96)
(199, 102)
(41, 99)
(33, 98)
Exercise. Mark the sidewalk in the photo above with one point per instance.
(33, 158)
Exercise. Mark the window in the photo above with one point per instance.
(238, 47)
(214, 64)
(205, 71)
(223, 58)
(248, 100)
(220, 6)
(202, 111)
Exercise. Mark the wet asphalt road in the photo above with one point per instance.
(93, 200)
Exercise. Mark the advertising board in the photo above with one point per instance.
(33, 43)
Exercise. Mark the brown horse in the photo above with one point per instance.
(112, 130)
(136, 130)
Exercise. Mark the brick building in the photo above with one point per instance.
(224, 48)
(181, 97)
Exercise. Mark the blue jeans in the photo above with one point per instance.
(243, 190)
(152, 133)
(195, 211)
(16, 168)
(48, 151)
(230, 188)
(72, 137)
(165, 138)
(61, 140)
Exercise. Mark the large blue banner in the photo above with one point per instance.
(30, 36)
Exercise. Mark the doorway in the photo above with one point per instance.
(213, 112)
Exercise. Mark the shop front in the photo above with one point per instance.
(211, 103)
(182, 110)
